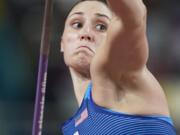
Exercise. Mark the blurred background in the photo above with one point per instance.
(20, 34)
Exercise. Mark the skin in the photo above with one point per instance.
(110, 49)
(81, 43)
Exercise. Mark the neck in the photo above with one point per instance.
(80, 84)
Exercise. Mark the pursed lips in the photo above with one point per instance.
(86, 47)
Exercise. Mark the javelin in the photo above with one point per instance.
(42, 71)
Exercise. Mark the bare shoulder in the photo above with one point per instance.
(134, 93)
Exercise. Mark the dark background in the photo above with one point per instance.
(20, 34)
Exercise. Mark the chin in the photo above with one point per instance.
(81, 65)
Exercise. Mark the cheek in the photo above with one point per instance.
(69, 41)
(69, 46)
(101, 39)
(71, 37)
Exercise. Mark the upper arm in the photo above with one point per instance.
(126, 48)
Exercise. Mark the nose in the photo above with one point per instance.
(87, 34)
(87, 37)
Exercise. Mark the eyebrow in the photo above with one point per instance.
(76, 13)
(102, 15)
(97, 14)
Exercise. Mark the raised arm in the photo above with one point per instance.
(131, 12)
(126, 47)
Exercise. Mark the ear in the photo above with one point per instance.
(62, 45)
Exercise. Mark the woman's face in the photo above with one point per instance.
(85, 30)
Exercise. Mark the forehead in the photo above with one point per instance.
(91, 7)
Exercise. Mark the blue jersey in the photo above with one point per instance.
(92, 119)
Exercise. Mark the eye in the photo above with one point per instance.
(101, 27)
(77, 25)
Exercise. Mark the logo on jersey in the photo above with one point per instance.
(81, 117)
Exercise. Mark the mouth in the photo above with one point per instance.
(85, 47)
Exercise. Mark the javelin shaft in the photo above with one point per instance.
(42, 71)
